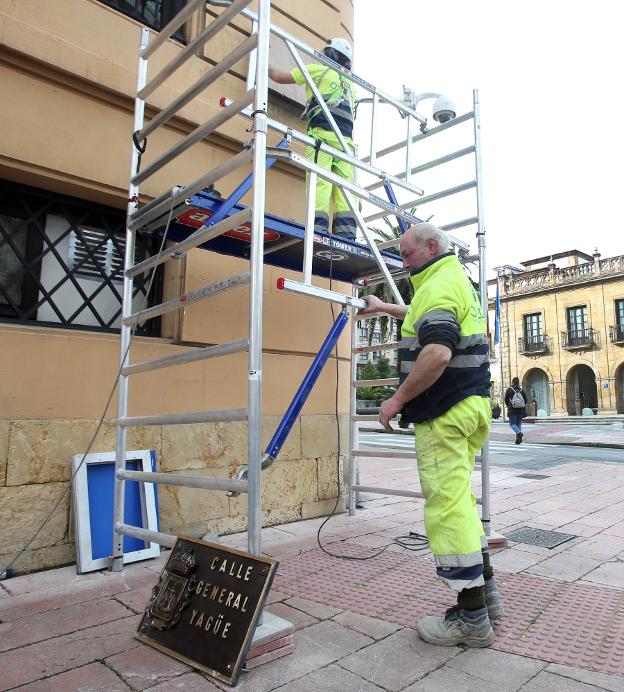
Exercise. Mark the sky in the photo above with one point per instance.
(551, 88)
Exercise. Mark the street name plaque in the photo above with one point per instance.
(205, 605)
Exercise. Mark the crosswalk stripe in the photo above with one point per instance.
(494, 444)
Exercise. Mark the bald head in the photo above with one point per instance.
(422, 243)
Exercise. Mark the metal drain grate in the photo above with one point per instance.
(547, 539)
(534, 476)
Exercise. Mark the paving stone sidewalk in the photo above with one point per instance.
(599, 434)
(609, 435)
(355, 619)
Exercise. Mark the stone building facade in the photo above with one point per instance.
(70, 69)
(562, 332)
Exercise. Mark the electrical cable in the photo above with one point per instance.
(413, 541)
(5, 572)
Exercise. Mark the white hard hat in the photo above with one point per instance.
(342, 46)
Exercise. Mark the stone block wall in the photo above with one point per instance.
(35, 470)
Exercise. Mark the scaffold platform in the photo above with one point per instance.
(335, 257)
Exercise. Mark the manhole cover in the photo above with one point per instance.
(547, 539)
(534, 476)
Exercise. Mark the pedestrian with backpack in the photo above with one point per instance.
(516, 401)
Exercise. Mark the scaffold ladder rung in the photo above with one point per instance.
(160, 206)
(171, 27)
(388, 346)
(354, 161)
(191, 49)
(146, 535)
(430, 198)
(242, 50)
(429, 133)
(460, 224)
(188, 298)
(429, 165)
(387, 491)
(215, 416)
(202, 235)
(206, 482)
(383, 453)
(375, 280)
(199, 354)
(367, 416)
(195, 136)
(385, 382)
(322, 293)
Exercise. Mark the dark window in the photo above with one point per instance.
(61, 262)
(153, 13)
(577, 319)
(619, 313)
(533, 333)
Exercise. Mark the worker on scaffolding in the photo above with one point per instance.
(444, 391)
(339, 95)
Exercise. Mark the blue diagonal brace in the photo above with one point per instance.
(241, 190)
(285, 426)
(392, 198)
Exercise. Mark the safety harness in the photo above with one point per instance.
(339, 102)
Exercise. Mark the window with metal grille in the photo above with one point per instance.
(92, 251)
(153, 13)
(11, 269)
(61, 262)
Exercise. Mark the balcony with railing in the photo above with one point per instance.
(534, 345)
(616, 333)
(552, 277)
(579, 339)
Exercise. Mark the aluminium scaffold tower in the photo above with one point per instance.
(194, 217)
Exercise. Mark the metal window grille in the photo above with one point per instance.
(91, 251)
(61, 262)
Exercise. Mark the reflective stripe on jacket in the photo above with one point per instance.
(446, 310)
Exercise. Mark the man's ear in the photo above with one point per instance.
(432, 246)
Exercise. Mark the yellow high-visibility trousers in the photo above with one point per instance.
(445, 450)
(343, 220)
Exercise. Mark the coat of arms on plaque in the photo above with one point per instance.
(172, 593)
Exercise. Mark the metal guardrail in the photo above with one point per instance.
(533, 345)
(616, 333)
(579, 338)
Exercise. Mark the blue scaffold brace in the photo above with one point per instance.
(285, 426)
(392, 198)
(240, 191)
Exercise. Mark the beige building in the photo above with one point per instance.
(562, 332)
(68, 70)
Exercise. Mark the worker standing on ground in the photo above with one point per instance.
(339, 95)
(444, 391)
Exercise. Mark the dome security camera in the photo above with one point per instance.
(443, 110)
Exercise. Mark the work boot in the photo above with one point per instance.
(493, 600)
(459, 626)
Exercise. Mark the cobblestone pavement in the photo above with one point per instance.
(355, 620)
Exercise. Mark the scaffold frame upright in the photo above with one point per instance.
(253, 105)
